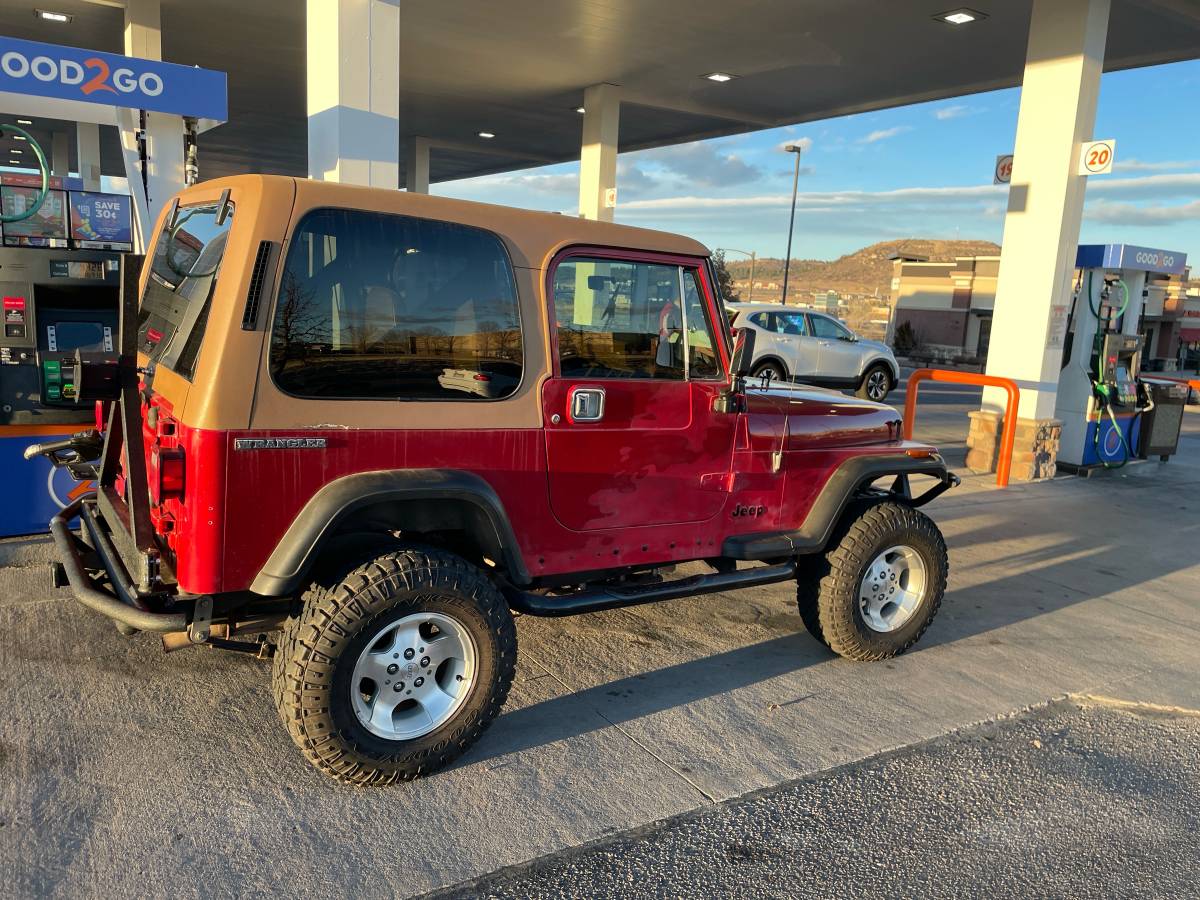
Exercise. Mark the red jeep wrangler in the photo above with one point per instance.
(377, 423)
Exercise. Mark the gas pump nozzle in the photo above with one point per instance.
(77, 453)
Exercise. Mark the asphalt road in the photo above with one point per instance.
(1073, 799)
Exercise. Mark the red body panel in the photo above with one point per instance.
(257, 494)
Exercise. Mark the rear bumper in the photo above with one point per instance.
(117, 599)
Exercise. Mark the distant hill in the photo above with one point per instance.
(863, 272)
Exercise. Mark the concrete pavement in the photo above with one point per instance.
(123, 771)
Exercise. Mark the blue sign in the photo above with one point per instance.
(100, 219)
(69, 73)
(1127, 256)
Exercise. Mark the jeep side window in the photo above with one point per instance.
(380, 306)
(619, 319)
(702, 359)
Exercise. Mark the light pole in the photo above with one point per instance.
(753, 258)
(787, 260)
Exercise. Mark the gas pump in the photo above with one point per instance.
(1101, 399)
(57, 300)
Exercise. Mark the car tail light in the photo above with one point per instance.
(167, 474)
(479, 376)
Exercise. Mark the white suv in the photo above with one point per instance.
(809, 346)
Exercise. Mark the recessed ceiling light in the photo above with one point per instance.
(24, 121)
(487, 135)
(52, 16)
(580, 110)
(720, 77)
(960, 16)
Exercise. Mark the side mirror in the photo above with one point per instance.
(743, 352)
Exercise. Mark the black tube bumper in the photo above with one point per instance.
(120, 604)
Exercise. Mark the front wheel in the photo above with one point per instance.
(876, 384)
(881, 584)
(396, 669)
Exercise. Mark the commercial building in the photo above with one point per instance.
(949, 307)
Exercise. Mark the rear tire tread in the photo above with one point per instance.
(331, 617)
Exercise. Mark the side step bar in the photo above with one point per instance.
(598, 599)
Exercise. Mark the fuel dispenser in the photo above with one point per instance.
(56, 300)
(1101, 397)
(55, 304)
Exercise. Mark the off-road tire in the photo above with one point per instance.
(317, 650)
(838, 622)
(810, 571)
(863, 390)
(776, 370)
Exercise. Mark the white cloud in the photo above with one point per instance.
(1136, 165)
(701, 163)
(884, 134)
(1130, 214)
(951, 112)
(830, 199)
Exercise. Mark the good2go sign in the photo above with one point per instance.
(70, 73)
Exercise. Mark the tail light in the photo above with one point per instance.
(480, 376)
(166, 474)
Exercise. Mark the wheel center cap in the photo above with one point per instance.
(411, 669)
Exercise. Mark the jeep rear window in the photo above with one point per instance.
(380, 306)
(183, 272)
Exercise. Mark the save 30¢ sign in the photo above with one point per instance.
(71, 73)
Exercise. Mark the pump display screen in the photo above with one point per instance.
(86, 336)
(45, 228)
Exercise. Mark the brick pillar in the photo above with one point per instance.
(1035, 449)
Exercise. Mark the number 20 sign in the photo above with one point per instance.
(1096, 157)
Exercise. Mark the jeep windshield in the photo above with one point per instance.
(183, 272)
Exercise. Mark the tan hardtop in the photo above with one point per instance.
(269, 205)
(533, 238)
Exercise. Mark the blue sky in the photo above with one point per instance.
(917, 171)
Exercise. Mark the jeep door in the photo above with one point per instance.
(631, 436)
(839, 358)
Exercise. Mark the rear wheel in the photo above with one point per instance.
(774, 369)
(876, 384)
(882, 583)
(396, 669)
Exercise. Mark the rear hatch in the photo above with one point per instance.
(182, 272)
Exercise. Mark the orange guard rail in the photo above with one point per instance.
(1008, 436)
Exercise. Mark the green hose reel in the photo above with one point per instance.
(42, 167)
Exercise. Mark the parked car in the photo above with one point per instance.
(814, 348)
(371, 519)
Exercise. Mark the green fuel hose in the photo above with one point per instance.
(42, 167)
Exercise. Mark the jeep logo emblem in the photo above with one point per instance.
(741, 510)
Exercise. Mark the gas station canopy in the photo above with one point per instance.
(518, 69)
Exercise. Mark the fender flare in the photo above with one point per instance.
(284, 571)
(839, 490)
